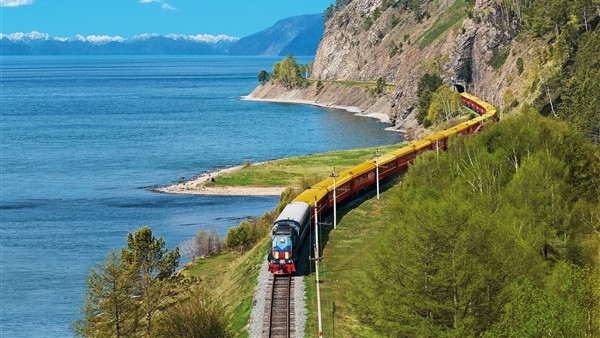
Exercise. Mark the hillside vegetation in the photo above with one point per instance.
(496, 237)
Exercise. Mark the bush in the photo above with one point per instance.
(197, 316)
(520, 65)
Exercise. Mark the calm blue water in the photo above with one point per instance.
(82, 137)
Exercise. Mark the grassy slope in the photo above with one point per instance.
(356, 235)
(291, 171)
(231, 277)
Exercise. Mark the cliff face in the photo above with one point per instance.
(365, 41)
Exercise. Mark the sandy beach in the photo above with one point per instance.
(200, 185)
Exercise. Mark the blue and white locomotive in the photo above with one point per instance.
(287, 236)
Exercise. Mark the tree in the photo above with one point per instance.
(472, 226)
(240, 237)
(288, 72)
(109, 309)
(534, 312)
(428, 84)
(444, 105)
(202, 243)
(263, 76)
(150, 265)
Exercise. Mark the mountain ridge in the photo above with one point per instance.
(297, 35)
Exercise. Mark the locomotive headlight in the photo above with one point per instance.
(287, 255)
(276, 254)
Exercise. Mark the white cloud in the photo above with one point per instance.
(163, 6)
(167, 6)
(15, 3)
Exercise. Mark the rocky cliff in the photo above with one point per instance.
(472, 45)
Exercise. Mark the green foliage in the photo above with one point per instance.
(567, 26)
(108, 308)
(428, 84)
(147, 255)
(319, 86)
(444, 105)
(124, 293)
(334, 8)
(249, 232)
(499, 57)
(380, 85)
(367, 23)
(151, 265)
(472, 227)
(394, 49)
(534, 312)
(580, 100)
(520, 66)
(288, 72)
(394, 21)
(263, 76)
(197, 316)
(239, 237)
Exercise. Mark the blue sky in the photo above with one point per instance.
(126, 18)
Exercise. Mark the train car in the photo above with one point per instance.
(479, 106)
(439, 141)
(363, 177)
(287, 236)
(404, 156)
(294, 221)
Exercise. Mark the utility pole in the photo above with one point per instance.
(334, 175)
(317, 258)
(377, 154)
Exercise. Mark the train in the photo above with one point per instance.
(290, 228)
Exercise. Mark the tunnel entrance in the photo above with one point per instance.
(459, 87)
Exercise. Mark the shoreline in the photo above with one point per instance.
(200, 185)
(384, 118)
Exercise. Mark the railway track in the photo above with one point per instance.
(280, 308)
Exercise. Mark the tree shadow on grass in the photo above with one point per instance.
(305, 264)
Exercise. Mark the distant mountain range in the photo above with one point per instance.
(299, 35)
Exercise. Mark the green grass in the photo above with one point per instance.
(453, 15)
(291, 171)
(356, 235)
(231, 278)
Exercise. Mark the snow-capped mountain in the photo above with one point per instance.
(296, 35)
(36, 43)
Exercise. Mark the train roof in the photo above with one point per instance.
(360, 169)
(403, 151)
(386, 158)
(294, 211)
(308, 195)
(420, 144)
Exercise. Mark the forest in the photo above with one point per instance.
(496, 237)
